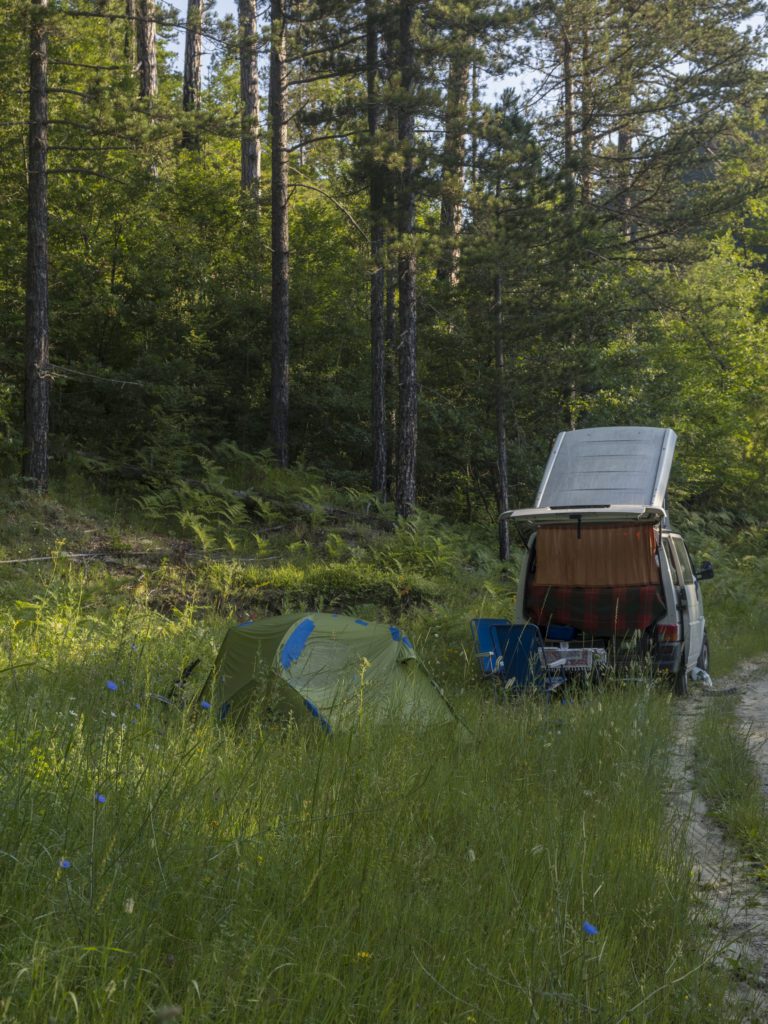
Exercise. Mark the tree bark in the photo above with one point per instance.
(624, 140)
(624, 154)
(193, 50)
(586, 115)
(146, 45)
(377, 290)
(454, 155)
(37, 389)
(250, 136)
(502, 477)
(568, 135)
(129, 41)
(280, 251)
(407, 422)
(475, 106)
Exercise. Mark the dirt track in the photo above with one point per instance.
(739, 903)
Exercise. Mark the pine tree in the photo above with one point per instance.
(278, 78)
(192, 87)
(146, 46)
(37, 385)
(407, 419)
(377, 174)
(250, 135)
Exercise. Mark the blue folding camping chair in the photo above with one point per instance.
(486, 645)
(522, 662)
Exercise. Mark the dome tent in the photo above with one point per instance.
(335, 668)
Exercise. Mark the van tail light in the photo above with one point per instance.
(668, 633)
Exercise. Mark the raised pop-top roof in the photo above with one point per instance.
(608, 466)
(603, 474)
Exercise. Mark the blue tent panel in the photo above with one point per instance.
(315, 712)
(296, 642)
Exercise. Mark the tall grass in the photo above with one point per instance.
(729, 779)
(524, 872)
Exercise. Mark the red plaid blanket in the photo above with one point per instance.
(601, 611)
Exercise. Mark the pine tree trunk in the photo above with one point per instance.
(501, 422)
(624, 154)
(454, 155)
(473, 137)
(407, 422)
(568, 137)
(586, 114)
(624, 150)
(250, 137)
(390, 357)
(569, 147)
(146, 45)
(625, 132)
(280, 252)
(193, 49)
(37, 390)
(378, 311)
(129, 41)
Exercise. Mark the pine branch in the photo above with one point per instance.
(332, 199)
(90, 67)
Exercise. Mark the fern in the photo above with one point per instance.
(197, 525)
(336, 546)
(264, 509)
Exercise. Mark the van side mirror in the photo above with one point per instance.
(705, 571)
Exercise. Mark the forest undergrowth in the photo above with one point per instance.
(155, 865)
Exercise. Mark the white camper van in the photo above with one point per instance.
(604, 575)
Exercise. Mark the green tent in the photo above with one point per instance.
(334, 668)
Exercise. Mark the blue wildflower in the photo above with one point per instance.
(100, 798)
(111, 685)
(590, 929)
(64, 863)
(205, 705)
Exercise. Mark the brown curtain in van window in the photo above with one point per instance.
(597, 555)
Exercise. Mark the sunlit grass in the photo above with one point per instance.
(524, 872)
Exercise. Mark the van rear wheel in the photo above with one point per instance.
(680, 679)
(703, 661)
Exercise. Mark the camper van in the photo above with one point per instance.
(605, 577)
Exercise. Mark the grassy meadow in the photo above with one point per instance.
(157, 866)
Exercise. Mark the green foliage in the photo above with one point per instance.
(159, 272)
(698, 367)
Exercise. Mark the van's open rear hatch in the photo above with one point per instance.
(601, 579)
